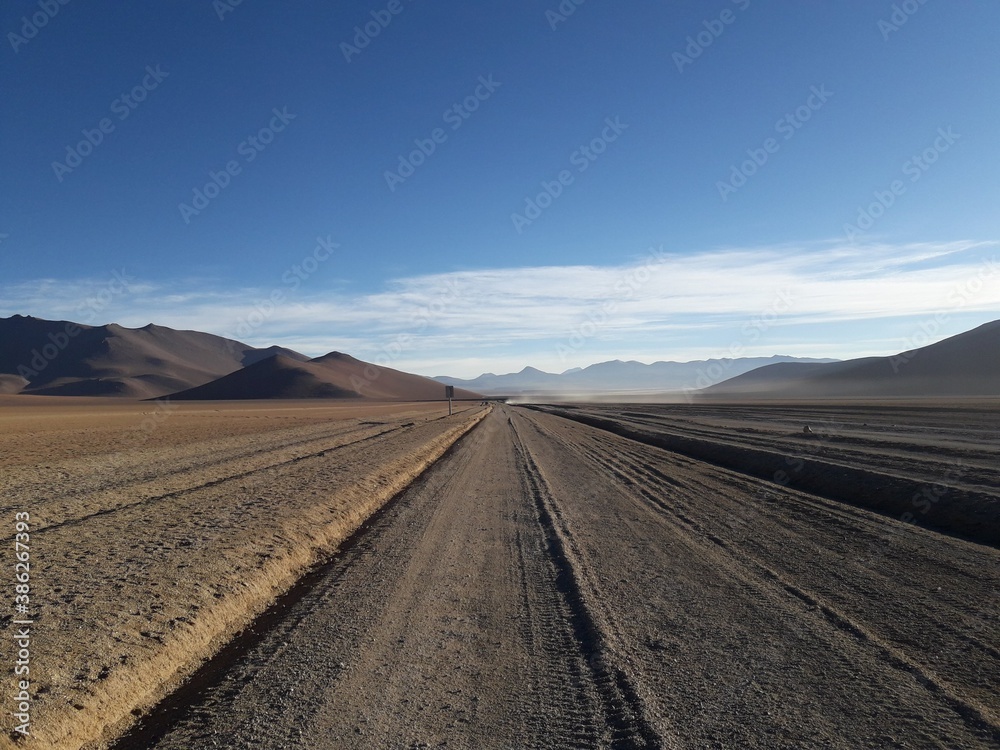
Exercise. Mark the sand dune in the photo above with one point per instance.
(333, 375)
(966, 365)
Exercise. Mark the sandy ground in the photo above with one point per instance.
(549, 584)
(933, 463)
(158, 531)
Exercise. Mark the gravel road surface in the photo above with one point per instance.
(548, 584)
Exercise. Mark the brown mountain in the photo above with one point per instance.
(965, 365)
(47, 357)
(333, 375)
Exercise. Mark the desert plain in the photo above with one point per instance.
(309, 574)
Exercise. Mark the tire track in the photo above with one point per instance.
(443, 624)
(630, 465)
(132, 471)
(280, 618)
(549, 585)
(834, 442)
(973, 714)
(133, 605)
(645, 479)
(153, 500)
(625, 711)
(968, 512)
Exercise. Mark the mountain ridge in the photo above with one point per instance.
(333, 375)
(63, 358)
(617, 375)
(964, 365)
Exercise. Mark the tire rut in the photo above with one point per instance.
(149, 501)
(966, 510)
(449, 597)
(625, 711)
(631, 468)
(620, 463)
(279, 617)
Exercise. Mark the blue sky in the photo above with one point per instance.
(482, 186)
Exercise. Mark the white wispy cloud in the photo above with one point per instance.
(662, 305)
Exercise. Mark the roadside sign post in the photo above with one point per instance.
(449, 393)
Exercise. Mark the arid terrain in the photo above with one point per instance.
(158, 530)
(452, 375)
(559, 577)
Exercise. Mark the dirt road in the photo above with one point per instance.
(149, 548)
(552, 585)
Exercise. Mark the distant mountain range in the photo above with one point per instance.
(964, 365)
(61, 358)
(333, 375)
(620, 377)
